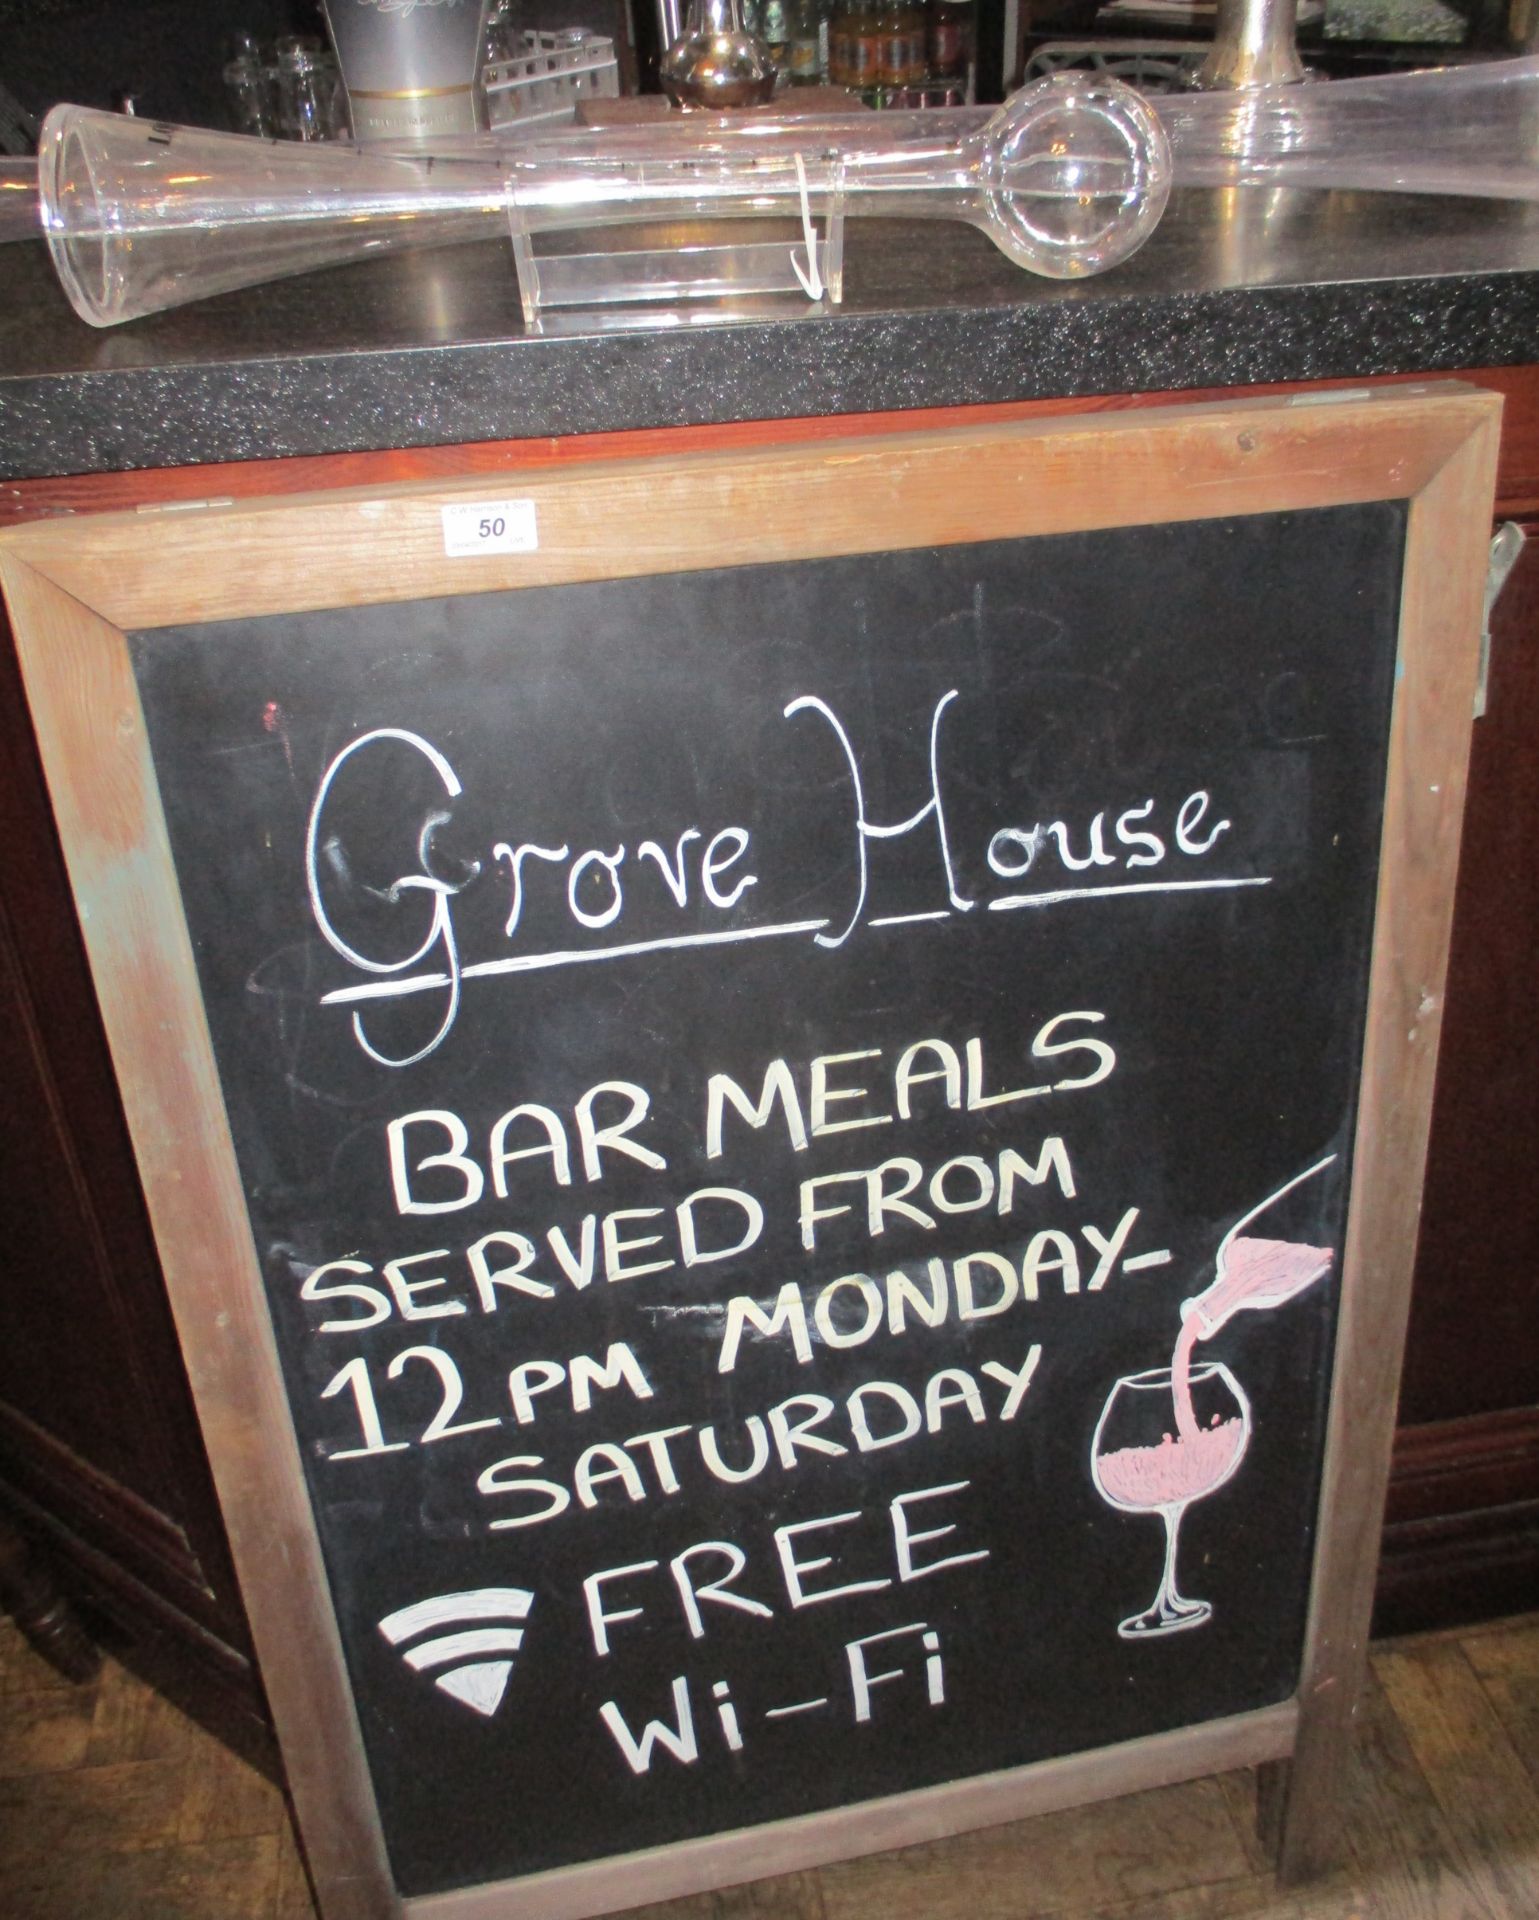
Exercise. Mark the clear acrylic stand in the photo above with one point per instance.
(698, 281)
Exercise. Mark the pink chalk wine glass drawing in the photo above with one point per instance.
(1138, 1467)
(1176, 1434)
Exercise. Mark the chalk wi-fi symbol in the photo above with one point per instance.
(474, 1674)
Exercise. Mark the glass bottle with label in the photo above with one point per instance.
(855, 45)
(775, 30)
(802, 66)
(825, 9)
(914, 32)
(892, 47)
(953, 40)
(839, 44)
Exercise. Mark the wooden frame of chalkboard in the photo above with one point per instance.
(1281, 597)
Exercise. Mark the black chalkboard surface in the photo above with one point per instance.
(735, 1074)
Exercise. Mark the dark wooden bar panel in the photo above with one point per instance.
(100, 1457)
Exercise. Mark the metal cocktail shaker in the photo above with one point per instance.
(411, 67)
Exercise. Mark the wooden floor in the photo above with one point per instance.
(115, 1807)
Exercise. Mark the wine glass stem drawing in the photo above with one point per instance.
(1171, 1611)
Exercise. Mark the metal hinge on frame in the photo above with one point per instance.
(1506, 545)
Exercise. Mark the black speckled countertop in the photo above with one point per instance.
(428, 349)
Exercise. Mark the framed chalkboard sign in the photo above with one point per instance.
(783, 1095)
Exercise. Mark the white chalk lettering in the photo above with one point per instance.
(779, 1093)
(794, 1570)
(619, 1366)
(753, 1224)
(605, 1464)
(439, 935)
(717, 1591)
(582, 1374)
(906, 1075)
(452, 1157)
(679, 1739)
(602, 1618)
(889, 1187)
(377, 1302)
(515, 1275)
(696, 872)
(498, 1479)
(866, 830)
(824, 1096)
(777, 1086)
(910, 1420)
(1193, 810)
(465, 1188)
(656, 1445)
(758, 1453)
(788, 1315)
(863, 1682)
(904, 1539)
(1015, 1381)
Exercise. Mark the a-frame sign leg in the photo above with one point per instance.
(1298, 1808)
